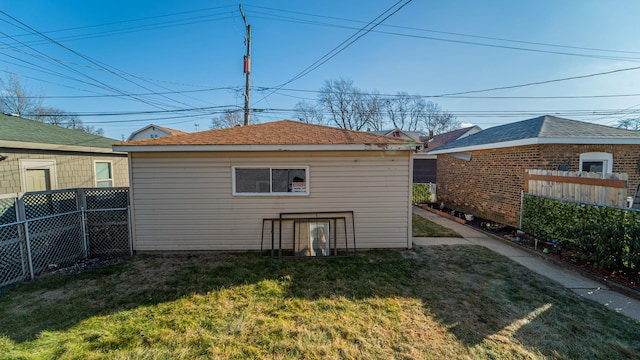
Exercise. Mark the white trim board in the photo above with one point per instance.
(192, 148)
(31, 164)
(56, 147)
(535, 141)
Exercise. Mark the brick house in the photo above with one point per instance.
(35, 156)
(424, 164)
(484, 174)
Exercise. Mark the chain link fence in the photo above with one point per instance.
(41, 231)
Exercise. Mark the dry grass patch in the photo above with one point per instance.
(437, 302)
(426, 228)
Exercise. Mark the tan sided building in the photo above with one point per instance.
(35, 156)
(211, 190)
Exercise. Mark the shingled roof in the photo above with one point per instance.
(448, 137)
(277, 133)
(541, 130)
(16, 132)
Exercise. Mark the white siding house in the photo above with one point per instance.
(203, 191)
(153, 132)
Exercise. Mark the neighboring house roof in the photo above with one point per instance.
(278, 135)
(413, 135)
(164, 129)
(541, 130)
(450, 136)
(16, 132)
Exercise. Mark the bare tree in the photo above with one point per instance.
(58, 117)
(397, 109)
(437, 120)
(371, 110)
(49, 115)
(629, 124)
(309, 113)
(229, 118)
(342, 104)
(405, 111)
(341, 100)
(416, 112)
(16, 99)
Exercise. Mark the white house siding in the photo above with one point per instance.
(184, 201)
(148, 132)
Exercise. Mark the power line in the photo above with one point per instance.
(131, 30)
(541, 82)
(95, 62)
(258, 88)
(145, 112)
(441, 32)
(342, 46)
(131, 94)
(527, 84)
(101, 85)
(607, 57)
(130, 20)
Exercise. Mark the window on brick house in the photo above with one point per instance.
(599, 162)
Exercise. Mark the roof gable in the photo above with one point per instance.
(163, 129)
(16, 130)
(399, 133)
(450, 136)
(543, 129)
(284, 132)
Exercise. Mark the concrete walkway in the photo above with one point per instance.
(584, 287)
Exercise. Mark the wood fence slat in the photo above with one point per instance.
(608, 189)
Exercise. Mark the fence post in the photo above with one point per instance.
(130, 230)
(81, 203)
(21, 232)
(22, 215)
(521, 208)
(83, 220)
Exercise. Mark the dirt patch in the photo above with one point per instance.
(85, 265)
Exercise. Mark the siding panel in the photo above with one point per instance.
(184, 201)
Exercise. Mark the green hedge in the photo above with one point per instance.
(421, 194)
(608, 237)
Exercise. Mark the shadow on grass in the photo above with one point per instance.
(476, 294)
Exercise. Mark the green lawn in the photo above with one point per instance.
(425, 228)
(437, 302)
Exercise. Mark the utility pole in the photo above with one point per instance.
(247, 68)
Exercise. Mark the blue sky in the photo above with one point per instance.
(428, 48)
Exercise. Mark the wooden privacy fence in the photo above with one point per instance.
(588, 187)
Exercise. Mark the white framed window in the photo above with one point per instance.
(104, 173)
(38, 175)
(599, 162)
(270, 180)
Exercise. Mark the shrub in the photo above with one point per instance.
(609, 237)
(421, 194)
